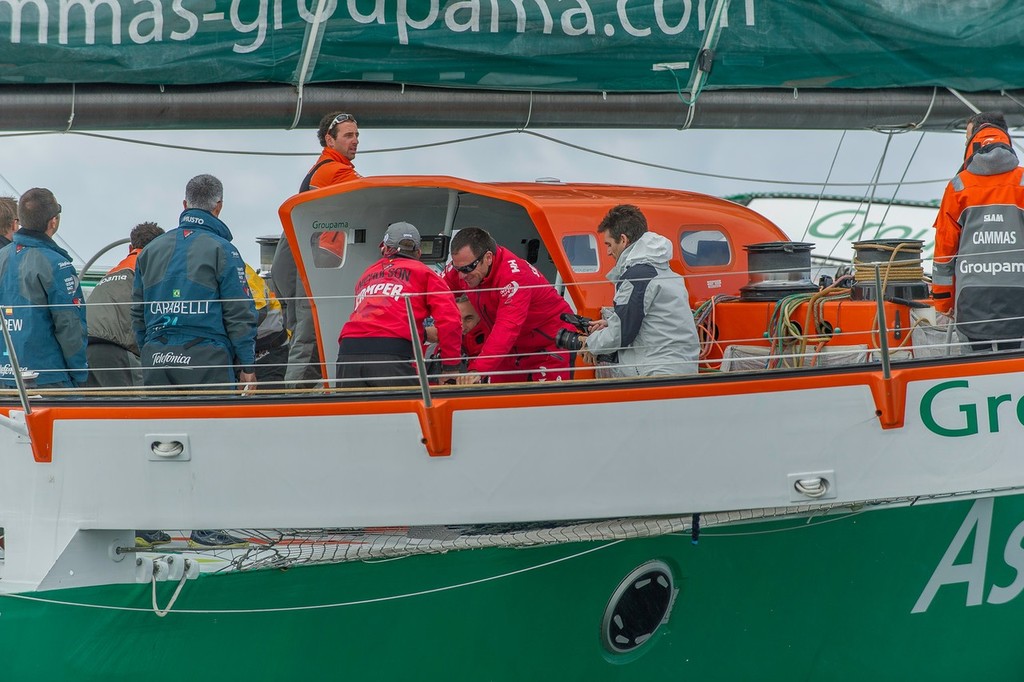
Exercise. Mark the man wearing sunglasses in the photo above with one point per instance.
(517, 303)
(42, 299)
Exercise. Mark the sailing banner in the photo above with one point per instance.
(563, 45)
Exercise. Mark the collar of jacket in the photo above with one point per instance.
(496, 258)
(335, 155)
(198, 219)
(651, 248)
(36, 239)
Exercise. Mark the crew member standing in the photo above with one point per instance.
(271, 335)
(42, 299)
(194, 317)
(979, 240)
(376, 344)
(113, 351)
(338, 134)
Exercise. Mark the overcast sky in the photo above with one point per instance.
(106, 187)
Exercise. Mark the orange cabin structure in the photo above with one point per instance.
(553, 226)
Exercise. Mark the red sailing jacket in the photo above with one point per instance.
(473, 340)
(380, 305)
(520, 307)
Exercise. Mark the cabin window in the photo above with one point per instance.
(581, 250)
(328, 249)
(705, 248)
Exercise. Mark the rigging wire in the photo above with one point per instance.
(718, 175)
(970, 105)
(817, 201)
(501, 133)
(906, 169)
(874, 183)
(57, 236)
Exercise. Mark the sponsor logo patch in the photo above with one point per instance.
(509, 290)
(171, 359)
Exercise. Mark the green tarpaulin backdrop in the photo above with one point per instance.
(567, 45)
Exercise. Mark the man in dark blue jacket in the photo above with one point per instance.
(42, 300)
(195, 322)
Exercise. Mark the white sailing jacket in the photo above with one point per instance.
(651, 325)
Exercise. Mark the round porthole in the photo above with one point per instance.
(638, 607)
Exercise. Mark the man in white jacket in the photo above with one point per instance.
(650, 327)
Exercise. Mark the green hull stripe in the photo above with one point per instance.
(831, 599)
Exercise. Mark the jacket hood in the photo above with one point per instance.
(198, 219)
(650, 248)
(989, 152)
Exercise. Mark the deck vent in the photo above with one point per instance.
(777, 270)
(638, 607)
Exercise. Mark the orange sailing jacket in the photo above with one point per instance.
(979, 241)
(331, 169)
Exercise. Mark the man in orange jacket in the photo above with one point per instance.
(979, 240)
(338, 134)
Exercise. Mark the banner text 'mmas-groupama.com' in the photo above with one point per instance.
(115, 22)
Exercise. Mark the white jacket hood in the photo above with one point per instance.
(650, 248)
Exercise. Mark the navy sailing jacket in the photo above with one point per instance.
(43, 303)
(191, 284)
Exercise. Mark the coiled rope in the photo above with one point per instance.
(905, 270)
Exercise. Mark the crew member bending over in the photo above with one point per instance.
(518, 305)
(375, 345)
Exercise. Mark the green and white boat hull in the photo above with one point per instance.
(914, 592)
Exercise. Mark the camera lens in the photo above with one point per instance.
(568, 340)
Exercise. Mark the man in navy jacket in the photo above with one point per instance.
(195, 320)
(42, 299)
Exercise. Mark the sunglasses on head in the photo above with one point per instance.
(466, 269)
(59, 209)
(341, 118)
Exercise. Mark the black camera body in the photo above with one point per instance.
(566, 339)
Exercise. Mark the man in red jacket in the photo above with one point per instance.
(519, 306)
(376, 343)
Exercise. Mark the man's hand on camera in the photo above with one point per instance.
(597, 324)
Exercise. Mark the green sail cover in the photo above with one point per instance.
(564, 45)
